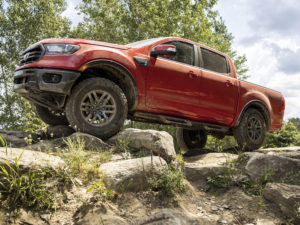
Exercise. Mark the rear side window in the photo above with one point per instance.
(184, 52)
(214, 62)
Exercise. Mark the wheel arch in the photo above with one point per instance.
(261, 107)
(114, 72)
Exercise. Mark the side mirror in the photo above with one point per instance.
(163, 50)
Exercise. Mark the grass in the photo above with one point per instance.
(30, 189)
(84, 164)
(171, 179)
(23, 188)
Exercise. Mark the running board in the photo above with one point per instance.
(179, 122)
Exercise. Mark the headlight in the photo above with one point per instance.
(56, 49)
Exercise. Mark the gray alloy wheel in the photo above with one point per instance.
(97, 106)
(251, 132)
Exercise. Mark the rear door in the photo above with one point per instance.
(219, 91)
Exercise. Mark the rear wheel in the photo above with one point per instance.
(191, 139)
(97, 106)
(251, 132)
(51, 117)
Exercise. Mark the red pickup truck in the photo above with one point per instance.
(94, 86)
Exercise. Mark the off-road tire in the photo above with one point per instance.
(251, 131)
(75, 114)
(51, 117)
(190, 139)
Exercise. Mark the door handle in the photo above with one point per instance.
(228, 83)
(192, 74)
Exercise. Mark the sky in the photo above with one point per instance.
(267, 32)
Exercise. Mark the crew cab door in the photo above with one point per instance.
(171, 85)
(219, 90)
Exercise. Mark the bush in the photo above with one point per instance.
(171, 180)
(23, 188)
(287, 136)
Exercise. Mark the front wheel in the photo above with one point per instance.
(97, 106)
(251, 132)
(190, 139)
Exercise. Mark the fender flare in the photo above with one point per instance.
(122, 76)
(258, 105)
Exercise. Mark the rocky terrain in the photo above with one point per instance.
(137, 178)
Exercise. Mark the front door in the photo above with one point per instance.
(172, 83)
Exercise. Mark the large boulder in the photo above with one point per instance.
(29, 159)
(286, 197)
(279, 167)
(131, 174)
(160, 142)
(166, 217)
(15, 139)
(198, 168)
(91, 142)
(46, 145)
(289, 152)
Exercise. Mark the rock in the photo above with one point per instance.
(264, 222)
(165, 217)
(160, 142)
(96, 219)
(198, 168)
(91, 142)
(26, 217)
(131, 174)
(94, 215)
(289, 152)
(279, 150)
(15, 139)
(286, 197)
(53, 132)
(46, 145)
(280, 167)
(30, 159)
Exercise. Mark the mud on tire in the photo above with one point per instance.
(97, 106)
(251, 132)
(51, 117)
(190, 139)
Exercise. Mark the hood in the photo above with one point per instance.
(82, 41)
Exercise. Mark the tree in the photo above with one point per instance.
(296, 122)
(287, 136)
(23, 22)
(132, 20)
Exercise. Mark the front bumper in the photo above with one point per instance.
(46, 87)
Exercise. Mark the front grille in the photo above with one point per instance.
(32, 54)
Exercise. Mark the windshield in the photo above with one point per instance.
(142, 43)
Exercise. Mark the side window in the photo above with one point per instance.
(184, 52)
(213, 61)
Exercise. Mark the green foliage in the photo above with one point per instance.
(81, 162)
(133, 20)
(256, 188)
(296, 122)
(228, 142)
(287, 136)
(222, 180)
(98, 187)
(171, 179)
(22, 23)
(25, 189)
